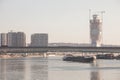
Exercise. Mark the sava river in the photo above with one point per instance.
(53, 68)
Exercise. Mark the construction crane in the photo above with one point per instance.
(101, 12)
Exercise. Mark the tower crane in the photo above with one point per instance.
(101, 12)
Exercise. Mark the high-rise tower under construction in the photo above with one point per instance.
(96, 31)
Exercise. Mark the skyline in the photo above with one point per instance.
(63, 20)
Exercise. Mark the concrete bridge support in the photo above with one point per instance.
(45, 55)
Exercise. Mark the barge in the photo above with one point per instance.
(84, 59)
(105, 56)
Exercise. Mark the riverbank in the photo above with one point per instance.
(7, 56)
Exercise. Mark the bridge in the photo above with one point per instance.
(59, 49)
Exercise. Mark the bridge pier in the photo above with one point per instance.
(45, 55)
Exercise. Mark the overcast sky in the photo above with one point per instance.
(63, 20)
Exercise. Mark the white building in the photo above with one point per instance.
(21, 39)
(12, 42)
(16, 39)
(39, 40)
(3, 39)
(96, 31)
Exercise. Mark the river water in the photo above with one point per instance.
(53, 68)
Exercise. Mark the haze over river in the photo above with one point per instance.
(53, 68)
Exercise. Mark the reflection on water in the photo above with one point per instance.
(101, 70)
(95, 74)
(53, 68)
(23, 69)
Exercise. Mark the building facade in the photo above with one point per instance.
(16, 39)
(96, 31)
(39, 40)
(21, 39)
(12, 42)
(3, 39)
(0, 40)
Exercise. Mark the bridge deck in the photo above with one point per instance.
(59, 49)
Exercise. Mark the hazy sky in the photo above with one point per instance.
(63, 20)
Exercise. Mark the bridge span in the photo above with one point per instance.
(59, 49)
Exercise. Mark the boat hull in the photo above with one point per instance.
(79, 59)
(105, 56)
